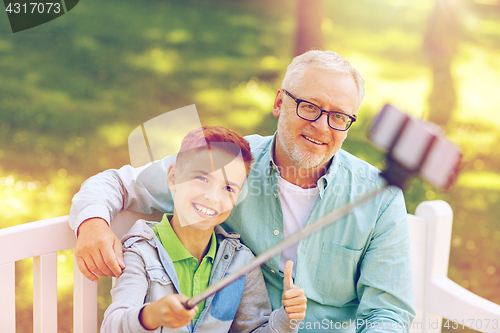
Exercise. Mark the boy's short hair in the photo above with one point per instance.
(208, 137)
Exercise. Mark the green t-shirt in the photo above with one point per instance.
(193, 278)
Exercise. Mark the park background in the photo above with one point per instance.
(72, 90)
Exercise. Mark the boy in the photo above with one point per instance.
(176, 258)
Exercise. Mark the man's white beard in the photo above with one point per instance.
(301, 158)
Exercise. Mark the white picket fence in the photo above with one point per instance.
(436, 296)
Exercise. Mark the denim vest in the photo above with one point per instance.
(220, 308)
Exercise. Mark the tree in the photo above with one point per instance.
(440, 44)
(309, 18)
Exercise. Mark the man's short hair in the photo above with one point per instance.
(209, 137)
(326, 60)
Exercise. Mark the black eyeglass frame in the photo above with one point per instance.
(298, 101)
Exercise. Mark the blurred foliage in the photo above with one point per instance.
(72, 90)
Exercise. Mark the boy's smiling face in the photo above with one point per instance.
(203, 198)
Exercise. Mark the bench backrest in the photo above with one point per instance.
(436, 296)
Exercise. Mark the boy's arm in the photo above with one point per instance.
(128, 313)
(128, 295)
(100, 198)
(254, 311)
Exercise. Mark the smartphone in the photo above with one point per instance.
(414, 146)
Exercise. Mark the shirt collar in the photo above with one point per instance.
(173, 245)
(272, 166)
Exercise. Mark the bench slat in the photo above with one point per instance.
(84, 303)
(8, 292)
(45, 293)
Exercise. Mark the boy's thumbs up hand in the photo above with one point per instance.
(294, 300)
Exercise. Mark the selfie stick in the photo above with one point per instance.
(278, 248)
(413, 146)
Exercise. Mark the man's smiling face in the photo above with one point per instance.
(312, 144)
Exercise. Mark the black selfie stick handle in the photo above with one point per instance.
(187, 305)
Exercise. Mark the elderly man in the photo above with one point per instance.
(356, 272)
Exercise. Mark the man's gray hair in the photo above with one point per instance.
(326, 60)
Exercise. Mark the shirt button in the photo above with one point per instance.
(193, 263)
(276, 232)
(272, 271)
(164, 278)
(226, 257)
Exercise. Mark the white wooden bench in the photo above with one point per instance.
(436, 296)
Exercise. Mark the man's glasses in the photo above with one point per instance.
(308, 111)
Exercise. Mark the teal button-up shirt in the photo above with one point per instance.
(356, 273)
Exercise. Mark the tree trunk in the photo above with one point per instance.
(309, 18)
(440, 44)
